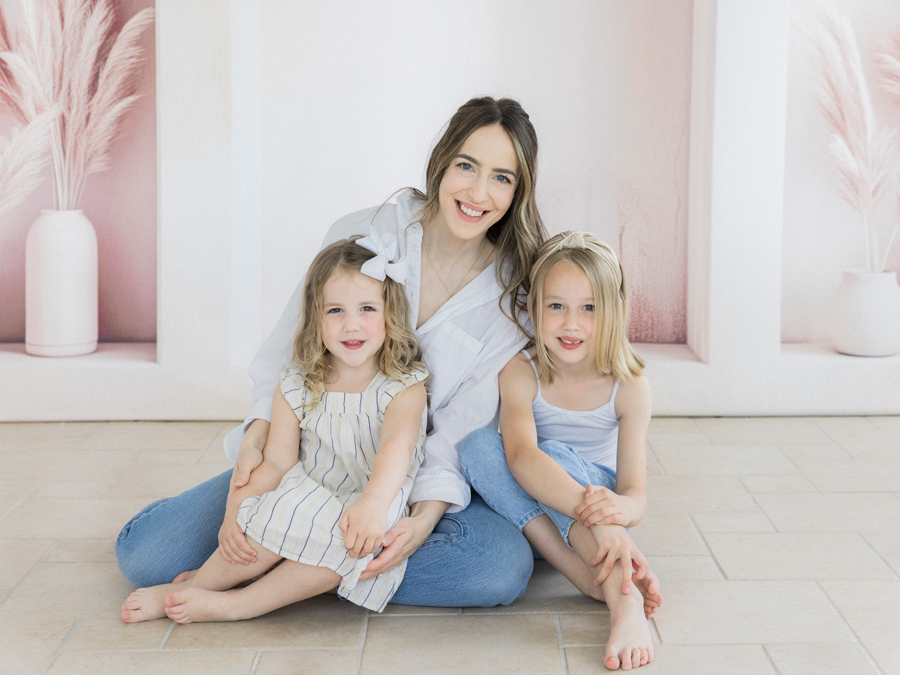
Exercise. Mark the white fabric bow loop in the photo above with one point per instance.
(385, 247)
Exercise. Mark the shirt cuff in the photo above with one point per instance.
(262, 410)
(456, 492)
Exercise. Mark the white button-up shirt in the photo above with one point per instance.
(465, 344)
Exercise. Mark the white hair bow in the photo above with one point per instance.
(385, 247)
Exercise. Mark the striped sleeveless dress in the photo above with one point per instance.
(338, 441)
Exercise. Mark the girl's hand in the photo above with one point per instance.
(363, 525)
(400, 542)
(233, 544)
(614, 543)
(600, 506)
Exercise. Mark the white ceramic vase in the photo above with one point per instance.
(863, 316)
(61, 285)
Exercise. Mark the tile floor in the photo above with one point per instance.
(777, 541)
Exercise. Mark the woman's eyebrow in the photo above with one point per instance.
(477, 163)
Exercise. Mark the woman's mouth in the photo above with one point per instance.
(467, 214)
(569, 342)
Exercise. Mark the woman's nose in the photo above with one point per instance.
(479, 188)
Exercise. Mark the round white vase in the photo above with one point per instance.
(61, 285)
(863, 316)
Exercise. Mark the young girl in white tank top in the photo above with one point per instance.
(570, 467)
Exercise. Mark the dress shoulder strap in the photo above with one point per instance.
(612, 399)
(537, 375)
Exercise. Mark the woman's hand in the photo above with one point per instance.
(601, 506)
(363, 524)
(614, 543)
(232, 543)
(405, 538)
(250, 455)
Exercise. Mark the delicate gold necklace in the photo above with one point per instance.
(437, 274)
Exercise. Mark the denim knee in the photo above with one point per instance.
(481, 449)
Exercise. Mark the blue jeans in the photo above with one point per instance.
(484, 463)
(474, 558)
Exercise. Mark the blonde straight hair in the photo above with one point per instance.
(610, 350)
(401, 351)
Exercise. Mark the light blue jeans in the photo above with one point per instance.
(474, 558)
(484, 463)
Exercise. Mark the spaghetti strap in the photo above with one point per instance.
(534, 368)
(612, 399)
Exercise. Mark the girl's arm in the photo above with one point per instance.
(625, 506)
(364, 522)
(279, 456)
(537, 472)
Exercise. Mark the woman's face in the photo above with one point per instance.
(478, 186)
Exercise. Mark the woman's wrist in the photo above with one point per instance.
(257, 433)
(429, 512)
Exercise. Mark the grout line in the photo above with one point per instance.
(706, 544)
(30, 572)
(770, 660)
(27, 495)
(656, 459)
(762, 510)
(562, 649)
(856, 640)
(362, 642)
(90, 436)
(116, 477)
(166, 636)
(256, 662)
(208, 445)
(213, 649)
(61, 647)
(876, 553)
(802, 472)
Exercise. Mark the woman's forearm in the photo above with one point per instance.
(429, 511)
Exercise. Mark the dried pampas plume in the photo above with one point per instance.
(862, 152)
(22, 158)
(68, 55)
(889, 67)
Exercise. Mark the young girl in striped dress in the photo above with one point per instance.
(574, 412)
(353, 406)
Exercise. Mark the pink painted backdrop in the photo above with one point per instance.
(121, 203)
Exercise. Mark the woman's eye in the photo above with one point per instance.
(504, 179)
(465, 166)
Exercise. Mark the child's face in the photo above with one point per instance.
(567, 315)
(353, 326)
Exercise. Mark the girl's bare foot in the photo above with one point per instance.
(630, 644)
(192, 605)
(649, 588)
(146, 604)
(184, 576)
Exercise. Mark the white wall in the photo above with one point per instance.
(822, 234)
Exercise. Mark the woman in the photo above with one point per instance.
(469, 242)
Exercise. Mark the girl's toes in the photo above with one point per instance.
(611, 662)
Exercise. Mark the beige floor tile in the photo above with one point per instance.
(835, 555)
(756, 430)
(886, 422)
(308, 662)
(733, 522)
(814, 452)
(675, 660)
(168, 456)
(12, 493)
(724, 460)
(879, 631)
(27, 646)
(395, 610)
(54, 465)
(324, 621)
(863, 594)
(807, 659)
(153, 436)
(667, 535)
(747, 612)
(70, 489)
(833, 512)
(865, 445)
(669, 425)
(887, 544)
(64, 590)
(84, 550)
(213, 662)
(47, 435)
(584, 629)
(676, 439)
(696, 494)
(777, 484)
(843, 425)
(684, 568)
(548, 591)
(877, 474)
(653, 466)
(215, 451)
(18, 556)
(522, 643)
(71, 518)
(154, 481)
(99, 635)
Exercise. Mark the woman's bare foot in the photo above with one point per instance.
(184, 576)
(191, 605)
(649, 588)
(630, 644)
(146, 604)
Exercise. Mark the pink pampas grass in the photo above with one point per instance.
(862, 152)
(68, 55)
(22, 158)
